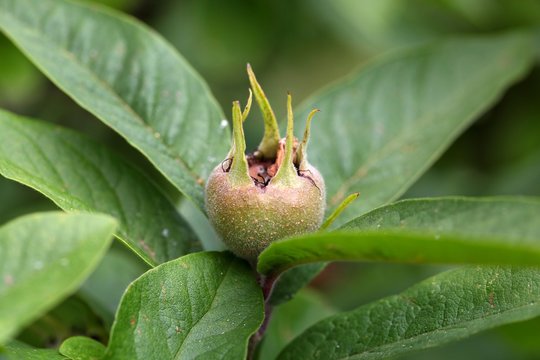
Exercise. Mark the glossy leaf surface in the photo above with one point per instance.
(444, 230)
(128, 77)
(203, 305)
(43, 258)
(79, 174)
(18, 351)
(381, 128)
(82, 348)
(447, 307)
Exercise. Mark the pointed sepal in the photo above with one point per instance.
(287, 174)
(344, 204)
(245, 113)
(238, 172)
(301, 154)
(269, 144)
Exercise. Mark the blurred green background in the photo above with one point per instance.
(300, 47)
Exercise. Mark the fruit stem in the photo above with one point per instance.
(344, 204)
(269, 144)
(267, 284)
(301, 154)
(239, 174)
(287, 175)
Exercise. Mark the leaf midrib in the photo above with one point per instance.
(226, 272)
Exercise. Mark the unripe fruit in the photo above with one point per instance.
(268, 195)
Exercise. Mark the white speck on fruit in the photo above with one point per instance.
(223, 124)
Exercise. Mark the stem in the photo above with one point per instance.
(267, 286)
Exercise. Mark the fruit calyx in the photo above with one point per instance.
(280, 161)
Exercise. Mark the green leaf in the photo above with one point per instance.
(293, 280)
(444, 230)
(19, 351)
(290, 320)
(396, 116)
(380, 129)
(82, 348)
(79, 174)
(43, 258)
(447, 307)
(128, 77)
(71, 317)
(203, 305)
(103, 291)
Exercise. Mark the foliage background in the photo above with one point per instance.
(299, 47)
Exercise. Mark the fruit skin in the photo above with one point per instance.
(250, 217)
(271, 194)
